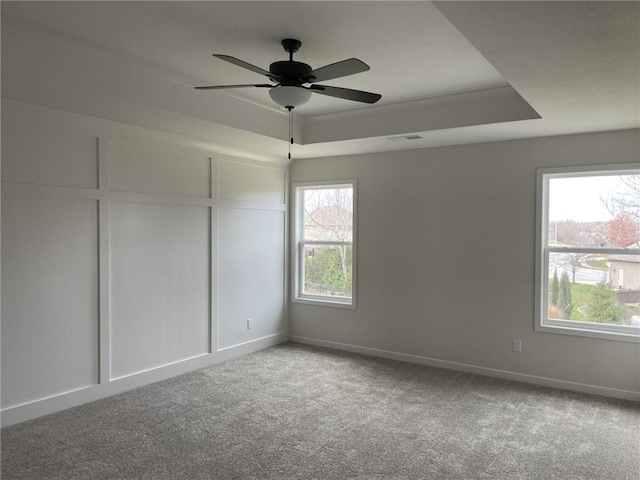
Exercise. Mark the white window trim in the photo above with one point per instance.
(570, 327)
(297, 265)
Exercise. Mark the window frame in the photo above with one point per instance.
(298, 245)
(571, 327)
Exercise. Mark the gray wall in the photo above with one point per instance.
(128, 256)
(446, 262)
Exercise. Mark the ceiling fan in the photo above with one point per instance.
(289, 78)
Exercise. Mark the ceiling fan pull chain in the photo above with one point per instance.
(290, 129)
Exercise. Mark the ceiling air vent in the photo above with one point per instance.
(403, 138)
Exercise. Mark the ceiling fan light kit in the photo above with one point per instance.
(289, 78)
(290, 96)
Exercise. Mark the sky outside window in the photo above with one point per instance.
(589, 199)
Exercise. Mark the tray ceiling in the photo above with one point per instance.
(452, 72)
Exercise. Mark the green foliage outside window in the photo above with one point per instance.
(586, 303)
(604, 307)
(555, 288)
(564, 295)
(560, 296)
(328, 271)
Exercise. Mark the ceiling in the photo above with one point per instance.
(449, 72)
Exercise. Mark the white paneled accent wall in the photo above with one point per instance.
(159, 169)
(247, 183)
(129, 256)
(247, 267)
(47, 153)
(251, 216)
(159, 285)
(49, 296)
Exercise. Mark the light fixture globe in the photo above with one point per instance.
(290, 96)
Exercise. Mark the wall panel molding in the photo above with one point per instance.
(171, 187)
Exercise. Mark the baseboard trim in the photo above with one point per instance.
(243, 345)
(463, 367)
(44, 406)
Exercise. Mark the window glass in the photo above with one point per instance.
(328, 214)
(590, 257)
(324, 252)
(328, 270)
(594, 211)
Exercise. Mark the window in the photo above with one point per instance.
(588, 255)
(325, 243)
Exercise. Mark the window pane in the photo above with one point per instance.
(328, 270)
(590, 287)
(328, 214)
(594, 211)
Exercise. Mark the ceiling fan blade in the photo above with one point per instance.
(248, 66)
(346, 93)
(219, 87)
(337, 70)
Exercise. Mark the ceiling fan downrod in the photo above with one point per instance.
(291, 45)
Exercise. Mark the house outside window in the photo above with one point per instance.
(588, 252)
(324, 252)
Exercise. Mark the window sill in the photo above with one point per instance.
(326, 302)
(583, 330)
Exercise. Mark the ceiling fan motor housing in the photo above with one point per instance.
(291, 72)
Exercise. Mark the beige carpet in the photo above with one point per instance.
(299, 412)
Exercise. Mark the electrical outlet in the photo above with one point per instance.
(249, 323)
(517, 346)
